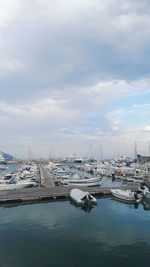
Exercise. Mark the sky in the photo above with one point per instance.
(74, 77)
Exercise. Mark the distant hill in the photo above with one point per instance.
(6, 156)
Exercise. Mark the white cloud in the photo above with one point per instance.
(8, 11)
(72, 25)
(68, 65)
(48, 111)
(146, 128)
(75, 105)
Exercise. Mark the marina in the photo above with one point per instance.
(74, 133)
(49, 190)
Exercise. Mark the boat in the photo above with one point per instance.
(81, 197)
(145, 190)
(2, 159)
(16, 183)
(8, 176)
(96, 181)
(2, 168)
(127, 195)
(78, 160)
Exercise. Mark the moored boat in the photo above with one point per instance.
(8, 176)
(127, 195)
(81, 197)
(82, 182)
(19, 185)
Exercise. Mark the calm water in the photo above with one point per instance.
(59, 234)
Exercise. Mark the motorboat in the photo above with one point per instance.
(2, 159)
(2, 168)
(16, 183)
(81, 197)
(19, 185)
(95, 181)
(127, 195)
(8, 176)
(145, 189)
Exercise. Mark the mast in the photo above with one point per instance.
(135, 150)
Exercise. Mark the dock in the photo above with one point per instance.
(47, 191)
(39, 194)
(47, 179)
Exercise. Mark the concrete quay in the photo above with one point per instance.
(46, 194)
(38, 194)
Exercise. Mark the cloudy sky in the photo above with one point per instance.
(74, 76)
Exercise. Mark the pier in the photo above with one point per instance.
(39, 194)
(47, 179)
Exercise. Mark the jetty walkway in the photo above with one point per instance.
(47, 178)
(47, 191)
(38, 194)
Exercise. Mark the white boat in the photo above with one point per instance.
(82, 182)
(27, 174)
(127, 195)
(8, 176)
(2, 167)
(81, 197)
(2, 159)
(145, 190)
(17, 184)
(78, 160)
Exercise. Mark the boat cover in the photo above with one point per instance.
(78, 194)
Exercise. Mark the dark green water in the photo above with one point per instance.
(59, 234)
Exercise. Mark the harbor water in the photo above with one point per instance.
(61, 234)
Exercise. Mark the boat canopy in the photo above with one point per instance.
(79, 195)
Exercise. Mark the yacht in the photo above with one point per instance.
(2, 159)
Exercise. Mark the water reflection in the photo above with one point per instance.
(113, 234)
(145, 203)
(88, 207)
(85, 207)
(126, 202)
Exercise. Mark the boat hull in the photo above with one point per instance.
(83, 182)
(15, 186)
(125, 195)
